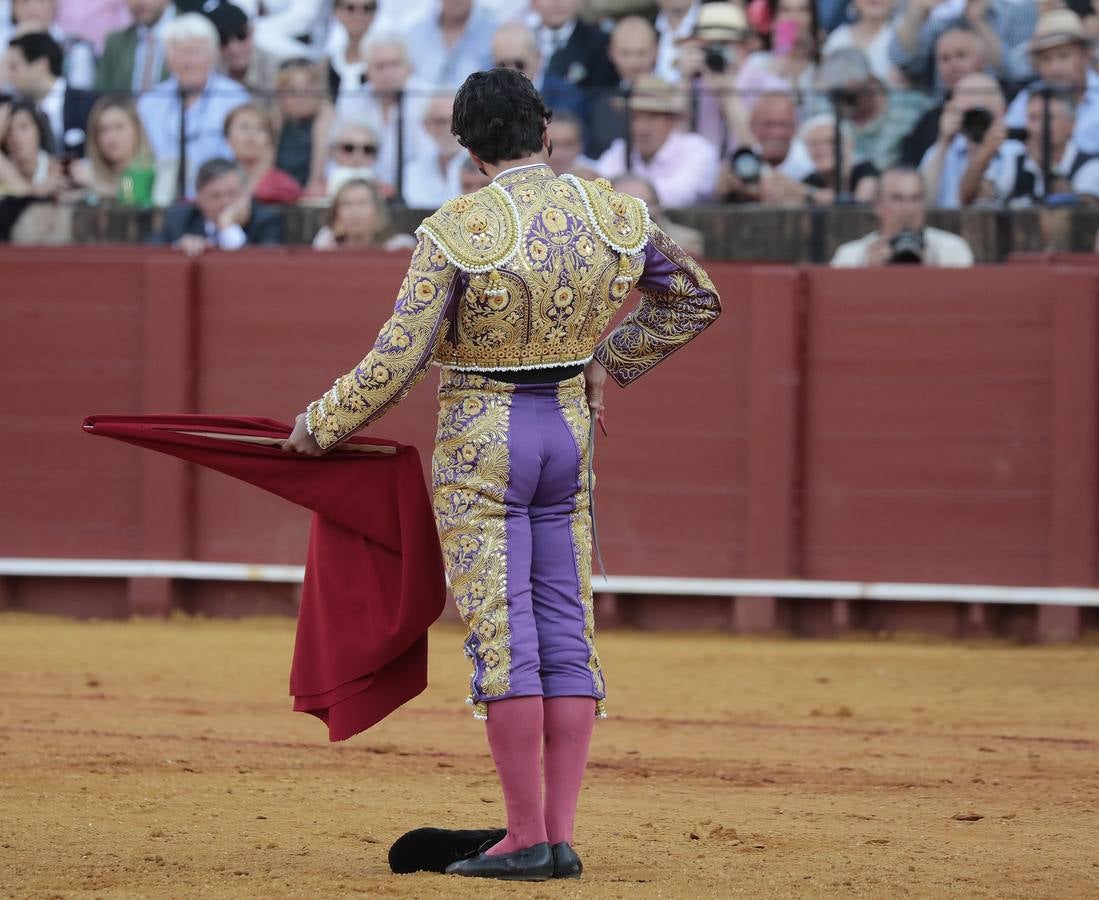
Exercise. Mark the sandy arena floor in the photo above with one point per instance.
(160, 759)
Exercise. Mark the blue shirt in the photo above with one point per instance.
(438, 66)
(204, 122)
(1012, 22)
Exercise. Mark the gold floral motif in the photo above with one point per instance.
(537, 323)
(664, 320)
(554, 220)
(400, 356)
(574, 410)
(476, 232)
(470, 468)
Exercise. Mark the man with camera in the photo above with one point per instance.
(902, 235)
(970, 154)
(773, 124)
(959, 51)
(1061, 53)
(1074, 174)
(724, 85)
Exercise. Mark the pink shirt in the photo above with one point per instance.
(92, 20)
(683, 171)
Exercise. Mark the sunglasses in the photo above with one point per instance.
(368, 149)
(237, 34)
(520, 65)
(363, 8)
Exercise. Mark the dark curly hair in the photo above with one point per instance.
(499, 115)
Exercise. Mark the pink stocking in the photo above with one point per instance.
(515, 737)
(568, 727)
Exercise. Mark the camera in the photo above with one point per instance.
(716, 57)
(975, 123)
(907, 248)
(746, 165)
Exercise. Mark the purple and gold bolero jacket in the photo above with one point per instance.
(526, 273)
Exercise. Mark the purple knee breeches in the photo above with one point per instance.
(510, 473)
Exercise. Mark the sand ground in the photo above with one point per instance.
(160, 759)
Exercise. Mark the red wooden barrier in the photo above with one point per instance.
(923, 426)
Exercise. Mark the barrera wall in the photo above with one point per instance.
(834, 427)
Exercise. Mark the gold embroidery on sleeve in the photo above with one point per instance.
(400, 356)
(663, 320)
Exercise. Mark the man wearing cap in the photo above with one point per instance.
(681, 166)
(713, 60)
(1060, 53)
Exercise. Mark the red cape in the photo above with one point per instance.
(374, 574)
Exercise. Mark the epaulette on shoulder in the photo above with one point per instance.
(476, 232)
(620, 220)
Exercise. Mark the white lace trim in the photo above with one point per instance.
(521, 368)
(598, 228)
(503, 261)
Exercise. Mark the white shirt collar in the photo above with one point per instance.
(518, 169)
(53, 105)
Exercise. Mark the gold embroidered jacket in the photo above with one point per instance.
(526, 273)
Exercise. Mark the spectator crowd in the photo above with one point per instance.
(225, 111)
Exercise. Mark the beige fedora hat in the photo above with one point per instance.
(1057, 28)
(720, 22)
(652, 94)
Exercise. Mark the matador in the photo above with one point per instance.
(509, 292)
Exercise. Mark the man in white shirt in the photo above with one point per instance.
(902, 235)
(434, 176)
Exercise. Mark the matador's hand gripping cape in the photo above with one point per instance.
(374, 573)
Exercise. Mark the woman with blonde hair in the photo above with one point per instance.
(252, 136)
(119, 164)
(358, 218)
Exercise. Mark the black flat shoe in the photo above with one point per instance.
(433, 849)
(566, 864)
(529, 864)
